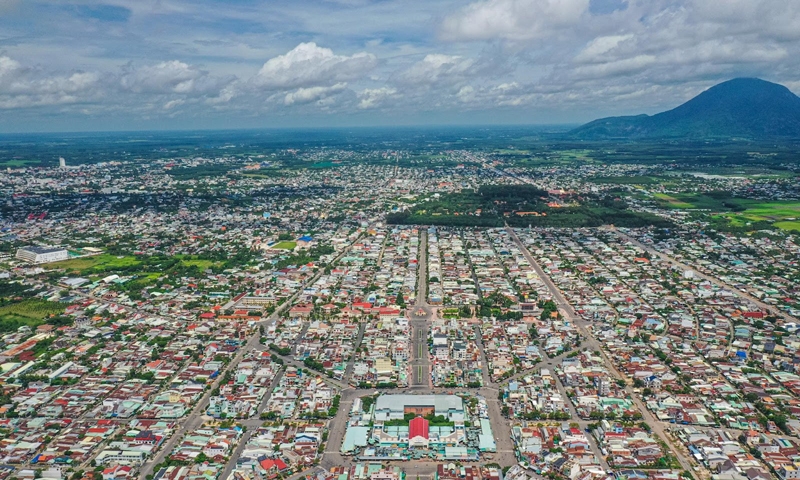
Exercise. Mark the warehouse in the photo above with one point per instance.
(394, 407)
(36, 254)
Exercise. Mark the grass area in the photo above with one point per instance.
(321, 165)
(30, 312)
(628, 180)
(450, 313)
(508, 151)
(788, 225)
(285, 245)
(785, 215)
(773, 211)
(18, 162)
(200, 263)
(715, 201)
(85, 265)
(672, 202)
(266, 173)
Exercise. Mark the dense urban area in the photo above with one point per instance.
(434, 311)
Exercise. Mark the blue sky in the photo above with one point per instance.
(183, 64)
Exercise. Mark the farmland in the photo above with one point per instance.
(31, 312)
(95, 264)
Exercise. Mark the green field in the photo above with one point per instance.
(200, 263)
(789, 225)
(450, 313)
(285, 245)
(85, 265)
(715, 201)
(29, 312)
(629, 180)
(737, 212)
(785, 215)
(672, 202)
(18, 163)
(322, 165)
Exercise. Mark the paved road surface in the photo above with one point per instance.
(196, 416)
(252, 426)
(715, 280)
(591, 343)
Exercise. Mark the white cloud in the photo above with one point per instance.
(498, 54)
(312, 94)
(513, 19)
(309, 65)
(169, 77)
(600, 46)
(25, 87)
(8, 66)
(173, 103)
(435, 68)
(375, 97)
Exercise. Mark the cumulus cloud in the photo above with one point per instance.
(600, 56)
(312, 94)
(436, 68)
(169, 77)
(375, 97)
(24, 87)
(513, 19)
(309, 65)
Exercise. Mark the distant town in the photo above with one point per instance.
(436, 312)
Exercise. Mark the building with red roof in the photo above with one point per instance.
(418, 432)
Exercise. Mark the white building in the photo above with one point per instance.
(36, 254)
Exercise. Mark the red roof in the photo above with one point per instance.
(418, 427)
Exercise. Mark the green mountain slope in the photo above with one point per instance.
(742, 107)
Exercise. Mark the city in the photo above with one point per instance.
(323, 314)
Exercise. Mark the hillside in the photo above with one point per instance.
(743, 107)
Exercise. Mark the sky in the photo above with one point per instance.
(78, 65)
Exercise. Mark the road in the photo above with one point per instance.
(420, 383)
(420, 317)
(252, 426)
(196, 417)
(422, 269)
(420, 322)
(715, 280)
(589, 342)
(348, 372)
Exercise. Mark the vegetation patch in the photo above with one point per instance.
(521, 206)
(672, 202)
(759, 215)
(31, 312)
(95, 264)
(789, 225)
(285, 245)
(628, 180)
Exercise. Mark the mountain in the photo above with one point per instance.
(742, 107)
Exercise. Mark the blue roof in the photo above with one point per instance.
(741, 354)
(306, 238)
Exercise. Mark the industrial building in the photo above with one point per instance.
(36, 254)
(394, 407)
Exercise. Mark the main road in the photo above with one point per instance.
(590, 342)
(196, 416)
(715, 280)
(420, 322)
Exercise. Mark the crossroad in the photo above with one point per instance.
(420, 315)
(590, 342)
(196, 417)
